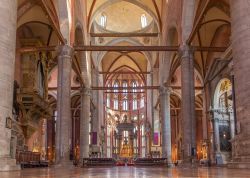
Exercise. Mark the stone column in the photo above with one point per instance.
(63, 121)
(216, 135)
(204, 116)
(188, 103)
(84, 123)
(241, 49)
(166, 123)
(43, 138)
(156, 118)
(95, 127)
(8, 18)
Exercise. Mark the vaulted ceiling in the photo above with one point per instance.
(213, 29)
(120, 9)
(126, 65)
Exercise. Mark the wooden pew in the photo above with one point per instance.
(99, 162)
(28, 159)
(150, 162)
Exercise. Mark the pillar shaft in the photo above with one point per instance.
(241, 49)
(155, 120)
(204, 116)
(188, 103)
(95, 126)
(8, 18)
(84, 123)
(192, 100)
(63, 122)
(216, 135)
(44, 138)
(166, 123)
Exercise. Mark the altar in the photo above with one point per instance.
(125, 139)
(126, 151)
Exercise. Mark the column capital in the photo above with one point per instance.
(185, 51)
(86, 91)
(65, 50)
(165, 90)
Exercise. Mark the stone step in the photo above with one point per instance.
(239, 165)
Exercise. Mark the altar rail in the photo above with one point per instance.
(28, 159)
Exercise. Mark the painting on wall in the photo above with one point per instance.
(8, 123)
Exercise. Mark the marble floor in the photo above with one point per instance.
(127, 172)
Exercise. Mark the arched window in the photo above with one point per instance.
(144, 22)
(125, 95)
(103, 21)
(125, 85)
(125, 105)
(116, 107)
(108, 98)
(142, 102)
(141, 87)
(116, 85)
(125, 134)
(116, 102)
(134, 85)
(134, 104)
(108, 101)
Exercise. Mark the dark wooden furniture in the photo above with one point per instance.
(150, 162)
(28, 159)
(99, 162)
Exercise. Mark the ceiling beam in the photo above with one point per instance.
(126, 88)
(179, 87)
(124, 92)
(115, 88)
(197, 109)
(55, 88)
(123, 48)
(124, 35)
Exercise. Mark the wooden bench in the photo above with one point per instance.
(28, 159)
(150, 162)
(99, 162)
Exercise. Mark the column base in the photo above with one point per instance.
(170, 165)
(240, 151)
(9, 164)
(189, 163)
